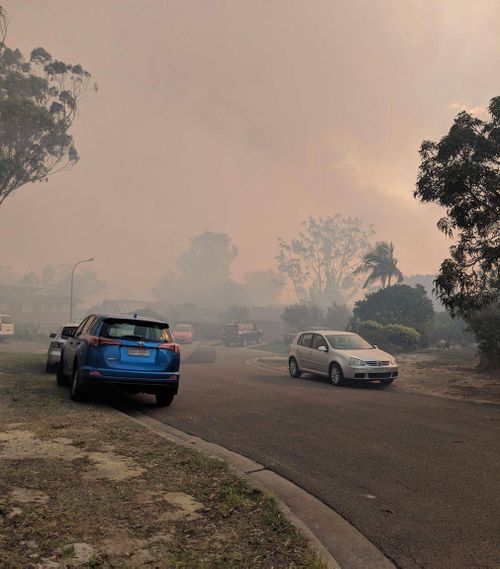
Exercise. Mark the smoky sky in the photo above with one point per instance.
(245, 117)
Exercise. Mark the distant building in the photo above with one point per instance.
(34, 305)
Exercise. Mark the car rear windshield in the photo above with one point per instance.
(135, 330)
(348, 342)
(183, 328)
(68, 332)
(5, 319)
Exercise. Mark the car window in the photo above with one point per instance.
(135, 330)
(305, 340)
(82, 326)
(68, 332)
(348, 342)
(88, 326)
(318, 341)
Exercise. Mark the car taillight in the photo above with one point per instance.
(96, 341)
(172, 346)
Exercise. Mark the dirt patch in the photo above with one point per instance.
(451, 373)
(81, 486)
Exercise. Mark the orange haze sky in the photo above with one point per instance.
(246, 117)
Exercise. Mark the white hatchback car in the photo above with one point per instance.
(58, 339)
(340, 356)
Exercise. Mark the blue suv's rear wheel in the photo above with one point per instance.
(77, 392)
(164, 398)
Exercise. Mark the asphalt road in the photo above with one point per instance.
(419, 476)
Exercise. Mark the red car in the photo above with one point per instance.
(183, 333)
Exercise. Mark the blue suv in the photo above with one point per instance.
(133, 353)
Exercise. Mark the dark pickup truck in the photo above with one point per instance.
(242, 334)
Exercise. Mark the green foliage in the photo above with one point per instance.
(427, 281)
(38, 104)
(202, 274)
(380, 264)
(461, 173)
(389, 336)
(398, 304)
(447, 328)
(485, 325)
(321, 260)
(303, 316)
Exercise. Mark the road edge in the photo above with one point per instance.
(334, 540)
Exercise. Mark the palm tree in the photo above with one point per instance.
(380, 264)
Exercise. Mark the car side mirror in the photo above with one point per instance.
(53, 335)
(323, 349)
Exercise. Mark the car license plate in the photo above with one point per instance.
(138, 352)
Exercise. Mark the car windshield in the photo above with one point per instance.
(68, 332)
(136, 330)
(348, 342)
(182, 328)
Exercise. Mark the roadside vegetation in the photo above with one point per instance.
(82, 485)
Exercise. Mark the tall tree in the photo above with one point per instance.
(461, 173)
(321, 260)
(38, 103)
(202, 274)
(380, 264)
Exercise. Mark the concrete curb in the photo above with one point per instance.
(338, 544)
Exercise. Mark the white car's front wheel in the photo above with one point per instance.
(336, 375)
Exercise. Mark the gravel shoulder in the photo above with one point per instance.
(80, 485)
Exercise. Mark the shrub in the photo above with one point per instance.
(398, 304)
(486, 327)
(390, 337)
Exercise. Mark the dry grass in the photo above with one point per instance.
(80, 485)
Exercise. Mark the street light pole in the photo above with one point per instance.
(72, 279)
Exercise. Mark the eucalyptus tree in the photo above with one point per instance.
(39, 99)
(320, 261)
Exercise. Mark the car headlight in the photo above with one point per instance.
(393, 362)
(356, 362)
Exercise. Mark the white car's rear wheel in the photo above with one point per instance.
(293, 368)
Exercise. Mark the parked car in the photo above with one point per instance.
(133, 353)
(58, 339)
(183, 333)
(241, 333)
(340, 356)
(6, 326)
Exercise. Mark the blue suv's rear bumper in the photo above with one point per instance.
(131, 379)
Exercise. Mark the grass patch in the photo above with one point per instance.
(82, 474)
